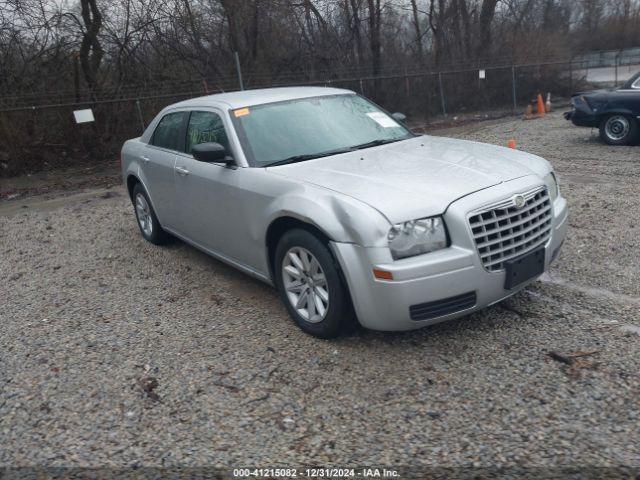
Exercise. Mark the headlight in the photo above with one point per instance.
(552, 185)
(416, 237)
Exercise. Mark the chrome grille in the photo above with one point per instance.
(503, 232)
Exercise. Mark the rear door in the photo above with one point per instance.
(158, 163)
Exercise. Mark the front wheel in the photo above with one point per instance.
(310, 286)
(618, 129)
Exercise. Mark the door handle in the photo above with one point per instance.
(144, 159)
(182, 170)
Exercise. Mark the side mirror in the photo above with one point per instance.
(211, 152)
(401, 117)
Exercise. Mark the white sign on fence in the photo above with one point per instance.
(482, 74)
(83, 116)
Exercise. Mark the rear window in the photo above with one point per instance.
(168, 133)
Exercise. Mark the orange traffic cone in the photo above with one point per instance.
(528, 113)
(511, 143)
(541, 111)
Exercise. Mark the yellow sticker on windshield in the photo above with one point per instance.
(241, 112)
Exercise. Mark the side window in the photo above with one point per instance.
(205, 127)
(636, 84)
(167, 133)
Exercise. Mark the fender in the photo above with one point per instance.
(132, 169)
(341, 218)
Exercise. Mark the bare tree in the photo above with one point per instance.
(91, 51)
(375, 19)
(54, 51)
(487, 11)
(417, 28)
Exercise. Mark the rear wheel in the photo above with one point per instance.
(310, 285)
(619, 129)
(147, 221)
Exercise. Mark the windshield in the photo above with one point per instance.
(298, 130)
(633, 82)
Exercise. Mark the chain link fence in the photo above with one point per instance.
(39, 131)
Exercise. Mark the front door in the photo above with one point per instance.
(207, 193)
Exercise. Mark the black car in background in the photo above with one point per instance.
(615, 112)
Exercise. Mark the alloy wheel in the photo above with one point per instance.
(143, 212)
(305, 284)
(617, 127)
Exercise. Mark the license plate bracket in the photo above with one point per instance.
(523, 268)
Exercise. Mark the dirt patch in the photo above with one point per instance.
(56, 182)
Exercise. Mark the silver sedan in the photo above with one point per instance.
(351, 216)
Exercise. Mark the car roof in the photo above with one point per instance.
(247, 98)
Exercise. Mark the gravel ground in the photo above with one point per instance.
(89, 309)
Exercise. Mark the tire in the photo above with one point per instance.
(146, 217)
(618, 129)
(337, 316)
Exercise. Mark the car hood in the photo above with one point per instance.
(591, 92)
(418, 177)
(602, 91)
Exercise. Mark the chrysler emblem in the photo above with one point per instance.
(518, 201)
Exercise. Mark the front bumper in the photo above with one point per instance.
(450, 277)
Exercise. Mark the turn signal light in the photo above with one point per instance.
(382, 274)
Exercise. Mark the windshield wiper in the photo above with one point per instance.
(310, 156)
(375, 143)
